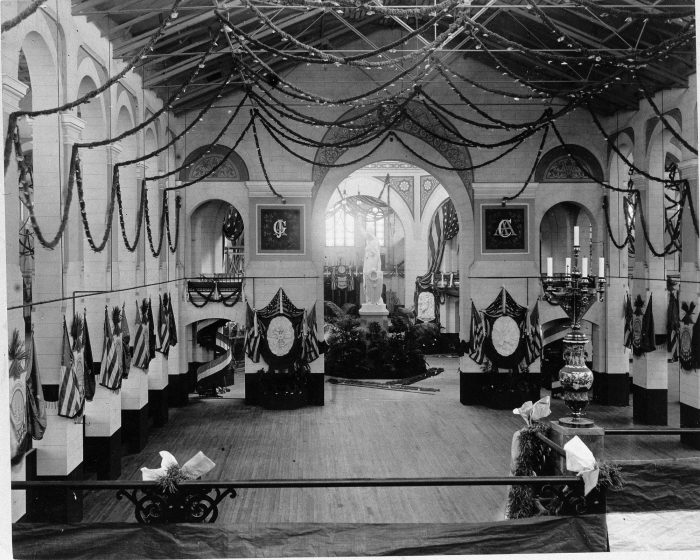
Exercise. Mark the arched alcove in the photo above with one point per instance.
(201, 160)
(557, 236)
(212, 252)
(561, 165)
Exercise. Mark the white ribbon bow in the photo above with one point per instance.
(197, 466)
(532, 412)
(580, 460)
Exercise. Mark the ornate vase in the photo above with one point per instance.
(576, 380)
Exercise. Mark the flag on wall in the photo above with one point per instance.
(443, 228)
(126, 349)
(88, 361)
(36, 405)
(685, 335)
(252, 335)
(477, 336)
(70, 396)
(673, 325)
(110, 368)
(648, 343)
(152, 340)
(141, 357)
(311, 347)
(163, 325)
(629, 318)
(533, 349)
(172, 326)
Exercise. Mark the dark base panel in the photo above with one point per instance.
(612, 389)
(56, 505)
(178, 393)
(650, 406)
(690, 418)
(317, 385)
(252, 389)
(469, 388)
(192, 375)
(134, 429)
(103, 455)
(158, 406)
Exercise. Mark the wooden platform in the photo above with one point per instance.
(364, 433)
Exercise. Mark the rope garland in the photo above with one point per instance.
(532, 170)
(20, 17)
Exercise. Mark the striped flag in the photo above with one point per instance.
(70, 396)
(141, 357)
(443, 228)
(673, 326)
(252, 335)
(126, 349)
(152, 340)
(88, 361)
(172, 326)
(533, 348)
(477, 336)
(36, 405)
(110, 368)
(310, 350)
(163, 326)
(629, 318)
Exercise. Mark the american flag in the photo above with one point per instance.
(141, 356)
(163, 326)
(252, 335)
(629, 317)
(533, 349)
(126, 349)
(70, 396)
(477, 336)
(444, 227)
(310, 346)
(88, 361)
(110, 368)
(673, 326)
(172, 326)
(152, 339)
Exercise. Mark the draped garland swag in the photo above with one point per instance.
(382, 107)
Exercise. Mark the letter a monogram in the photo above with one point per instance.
(505, 229)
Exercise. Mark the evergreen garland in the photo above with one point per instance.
(532, 460)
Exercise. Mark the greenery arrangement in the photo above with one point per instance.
(374, 353)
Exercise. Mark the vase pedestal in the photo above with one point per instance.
(593, 438)
(374, 313)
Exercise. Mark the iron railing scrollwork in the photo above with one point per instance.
(185, 505)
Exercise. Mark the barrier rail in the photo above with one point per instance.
(198, 501)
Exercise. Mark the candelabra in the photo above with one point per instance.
(575, 292)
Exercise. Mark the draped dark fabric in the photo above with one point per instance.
(280, 306)
(505, 306)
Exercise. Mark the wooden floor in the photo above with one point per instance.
(363, 433)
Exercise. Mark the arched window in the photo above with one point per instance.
(340, 228)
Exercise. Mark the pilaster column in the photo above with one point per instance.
(650, 370)
(11, 282)
(611, 386)
(72, 131)
(690, 292)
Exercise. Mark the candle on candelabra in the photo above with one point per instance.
(584, 267)
(576, 240)
(550, 267)
(601, 267)
(567, 266)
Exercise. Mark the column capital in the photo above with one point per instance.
(140, 169)
(72, 128)
(689, 168)
(640, 180)
(12, 92)
(114, 149)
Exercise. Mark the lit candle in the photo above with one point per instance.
(550, 267)
(601, 267)
(567, 266)
(576, 240)
(584, 267)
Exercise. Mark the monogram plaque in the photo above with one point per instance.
(504, 229)
(280, 229)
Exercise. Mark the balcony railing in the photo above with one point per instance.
(216, 288)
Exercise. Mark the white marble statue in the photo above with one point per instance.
(373, 275)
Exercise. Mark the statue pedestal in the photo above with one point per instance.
(374, 313)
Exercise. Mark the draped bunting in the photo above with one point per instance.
(509, 351)
(643, 335)
(687, 353)
(111, 366)
(673, 325)
(629, 318)
(163, 325)
(88, 361)
(533, 334)
(70, 395)
(126, 349)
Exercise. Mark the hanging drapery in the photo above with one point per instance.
(505, 322)
(685, 338)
